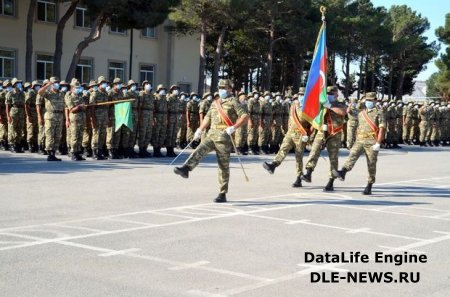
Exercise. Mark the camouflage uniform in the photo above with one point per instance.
(77, 120)
(146, 106)
(101, 121)
(241, 132)
(277, 135)
(415, 131)
(173, 106)
(193, 118)
(265, 126)
(32, 120)
(435, 119)
(16, 102)
(391, 120)
(352, 122)
(285, 116)
(3, 118)
(407, 123)
(203, 108)
(425, 124)
(54, 118)
(218, 140)
(159, 131)
(182, 130)
(134, 114)
(254, 111)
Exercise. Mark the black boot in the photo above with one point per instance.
(270, 167)
(106, 153)
(298, 182)
(221, 198)
(132, 154)
(89, 152)
(368, 189)
(18, 149)
(98, 155)
(183, 171)
(73, 156)
(51, 156)
(308, 176)
(142, 152)
(157, 152)
(254, 150)
(113, 154)
(42, 150)
(171, 152)
(339, 173)
(79, 156)
(329, 187)
(436, 143)
(429, 143)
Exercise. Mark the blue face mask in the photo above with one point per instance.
(56, 86)
(162, 93)
(9, 89)
(64, 89)
(19, 86)
(148, 87)
(36, 88)
(125, 91)
(119, 87)
(267, 97)
(95, 88)
(104, 85)
(369, 104)
(223, 93)
(78, 90)
(1, 88)
(133, 88)
(331, 98)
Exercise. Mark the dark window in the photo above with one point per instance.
(84, 70)
(7, 63)
(147, 72)
(149, 32)
(7, 7)
(46, 11)
(82, 19)
(116, 69)
(44, 67)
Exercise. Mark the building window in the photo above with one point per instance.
(7, 63)
(84, 70)
(149, 32)
(147, 72)
(185, 87)
(82, 19)
(7, 7)
(114, 28)
(44, 67)
(116, 69)
(46, 11)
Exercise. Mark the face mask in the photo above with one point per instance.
(9, 89)
(36, 88)
(409, 104)
(187, 99)
(385, 104)
(267, 97)
(133, 88)
(194, 98)
(95, 88)
(270, 100)
(400, 105)
(119, 87)
(209, 98)
(223, 93)
(1, 88)
(104, 85)
(175, 92)
(183, 97)
(278, 97)
(416, 106)
(148, 87)
(56, 86)
(125, 91)
(331, 98)
(256, 96)
(78, 90)
(64, 89)
(369, 104)
(162, 93)
(19, 86)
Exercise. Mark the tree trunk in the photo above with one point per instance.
(218, 59)
(59, 38)
(268, 82)
(94, 35)
(250, 80)
(391, 74)
(258, 78)
(347, 74)
(29, 40)
(366, 76)
(202, 65)
(333, 68)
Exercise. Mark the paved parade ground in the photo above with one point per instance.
(133, 228)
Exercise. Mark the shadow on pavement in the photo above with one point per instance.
(331, 202)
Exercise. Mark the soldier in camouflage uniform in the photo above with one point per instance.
(173, 106)
(53, 100)
(116, 141)
(131, 93)
(371, 126)
(407, 123)
(254, 121)
(203, 108)
(64, 144)
(296, 138)
(219, 136)
(41, 135)
(425, 123)
(31, 114)
(145, 119)
(391, 120)
(160, 115)
(352, 122)
(76, 106)
(87, 132)
(445, 111)
(415, 131)
(434, 133)
(4, 86)
(266, 122)
(286, 106)
(330, 137)
(15, 113)
(277, 115)
(100, 118)
(192, 117)
(182, 130)
(398, 124)
(241, 132)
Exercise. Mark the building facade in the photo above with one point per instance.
(152, 54)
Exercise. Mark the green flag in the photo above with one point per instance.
(123, 115)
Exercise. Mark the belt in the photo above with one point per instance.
(219, 127)
(366, 134)
(55, 111)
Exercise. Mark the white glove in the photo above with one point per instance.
(325, 128)
(230, 130)
(305, 138)
(376, 147)
(327, 105)
(198, 134)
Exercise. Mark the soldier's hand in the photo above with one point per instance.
(230, 130)
(198, 134)
(376, 147)
(9, 120)
(67, 124)
(40, 121)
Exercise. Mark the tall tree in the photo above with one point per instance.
(442, 79)
(29, 40)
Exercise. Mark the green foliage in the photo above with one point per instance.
(441, 81)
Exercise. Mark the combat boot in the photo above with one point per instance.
(265, 150)
(171, 152)
(88, 152)
(254, 150)
(221, 198)
(308, 176)
(132, 154)
(142, 152)
(79, 156)
(18, 149)
(298, 182)
(329, 187)
(2, 145)
(182, 171)
(339, 173)
(97, 155)
(430, 143)
(368, 189)
(270, 167)
(42, 150)
(51, 156)
(113, 154)
(157, 152)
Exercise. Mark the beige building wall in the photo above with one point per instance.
(175, 59)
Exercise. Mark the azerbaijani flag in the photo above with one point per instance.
(316, 86)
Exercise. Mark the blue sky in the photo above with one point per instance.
(434, 11)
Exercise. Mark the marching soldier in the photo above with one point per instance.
(241, 132)
(145, 119)
(296, 138)
(173, 106)
(182, 130)
(76, 106)
(224, 117)
(32, 119)
(371, 129)
(277, 115)
(100, 118)
(266, 122)
(415, 131)
(330, 137)
(352, 123)
(434, 134)
(203, 108)
(64, 145)
(15, 113)
(254, 121)
(53, 100)
(192, 117)
(160, 115)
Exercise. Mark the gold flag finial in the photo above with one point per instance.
(323, 10)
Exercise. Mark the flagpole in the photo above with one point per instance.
(111, 102)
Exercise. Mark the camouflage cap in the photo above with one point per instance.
(331, 89)
(255, 92)
(224, 83)
(26, 85)
(193, 94)
(15, 80)
(54, 79)
(242, 93)
(173, 87)
(216, 94)
(371, 96)
(145, 82)
(206, 95)
(63, 83)
(46, 81)
(295, 96)
(267, 93)
(6, 83)
(35, 83)
(301, 90)
(92, 83)
(277, 94)
(117, 80)
(130, 83)
(101, 79)
(76, 84)
(160, 87)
